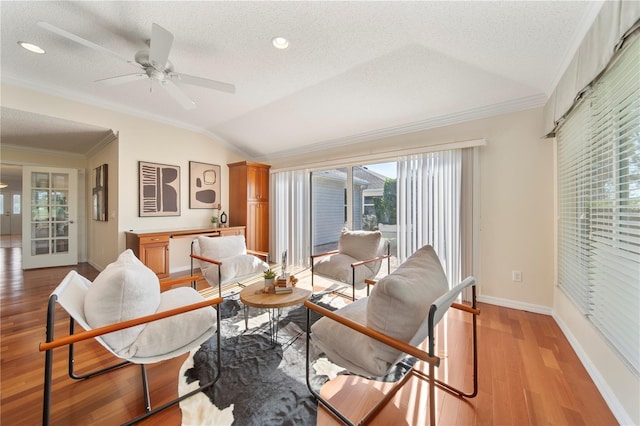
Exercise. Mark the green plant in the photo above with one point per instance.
(214, 219)
(385, 207)
(269, 274)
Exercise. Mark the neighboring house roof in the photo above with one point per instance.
(339, 175)
(374, 180)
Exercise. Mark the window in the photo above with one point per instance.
(16, 204)
(599, 206)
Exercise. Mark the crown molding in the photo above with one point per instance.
(104, 142)
(50, 152)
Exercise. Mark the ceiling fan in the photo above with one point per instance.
(153, 63)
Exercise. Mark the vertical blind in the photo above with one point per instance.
(599, 206)
(290, 216)
(429, 204)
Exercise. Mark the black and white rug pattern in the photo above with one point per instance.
(260, 384)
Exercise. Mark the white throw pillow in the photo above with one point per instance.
(399, 303)
(124, 290)
(172, 333)
(361, 245)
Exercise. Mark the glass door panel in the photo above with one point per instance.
(329, 208)
(50, 232)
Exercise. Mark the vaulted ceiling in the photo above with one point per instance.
(352, 71)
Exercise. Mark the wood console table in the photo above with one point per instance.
(152, 247)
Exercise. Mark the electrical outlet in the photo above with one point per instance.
(516, 276)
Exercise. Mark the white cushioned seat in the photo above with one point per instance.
(127, 290)
(397, 306)
(353, 246)
(231, 251)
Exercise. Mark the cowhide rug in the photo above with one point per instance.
(260, 384)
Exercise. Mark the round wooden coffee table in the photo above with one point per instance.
(253, 296)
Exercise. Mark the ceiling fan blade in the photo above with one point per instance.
(203, 82)
(177, 94)
(47, 26)
(160, 46)
(122, 79)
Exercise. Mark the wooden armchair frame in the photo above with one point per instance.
(69, 340)
(444, 302)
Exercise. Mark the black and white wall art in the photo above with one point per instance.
(159, 189)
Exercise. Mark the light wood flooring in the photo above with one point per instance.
(529, 375)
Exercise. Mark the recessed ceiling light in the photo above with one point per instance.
(280, 42)
(31, 47)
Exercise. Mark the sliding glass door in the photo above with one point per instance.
(356, 198)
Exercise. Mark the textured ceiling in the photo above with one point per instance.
(354, 70)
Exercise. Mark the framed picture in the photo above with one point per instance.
(159, 190)
(99, 193)
(204, 185)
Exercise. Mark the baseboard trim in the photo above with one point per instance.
(537, 309)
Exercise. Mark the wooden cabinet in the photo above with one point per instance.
(249, 202)
(152, 247)
(258, 183)
(153, 251)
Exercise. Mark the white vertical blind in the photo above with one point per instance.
(429, 199)
(291, 216)
(599, 206)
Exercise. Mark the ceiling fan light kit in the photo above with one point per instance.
(153, 63)
(31, 47)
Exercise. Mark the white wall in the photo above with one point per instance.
(103, 238)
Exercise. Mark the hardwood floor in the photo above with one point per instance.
(529, 374)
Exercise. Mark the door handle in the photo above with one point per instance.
(71, 221)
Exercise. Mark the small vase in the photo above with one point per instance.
(268, 282)
(214, 224)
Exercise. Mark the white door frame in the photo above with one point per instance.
(50, 217)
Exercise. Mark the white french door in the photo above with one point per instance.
(50, 211)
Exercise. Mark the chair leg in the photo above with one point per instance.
(474, 344)
(315, 394)
(46, 402)
(455, 390)
(353, 282)
(193, 392)
(145, 388)
(432, 395)
(73, 374)
(48, 362)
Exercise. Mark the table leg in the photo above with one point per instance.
(246, 317)
(274, 319)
